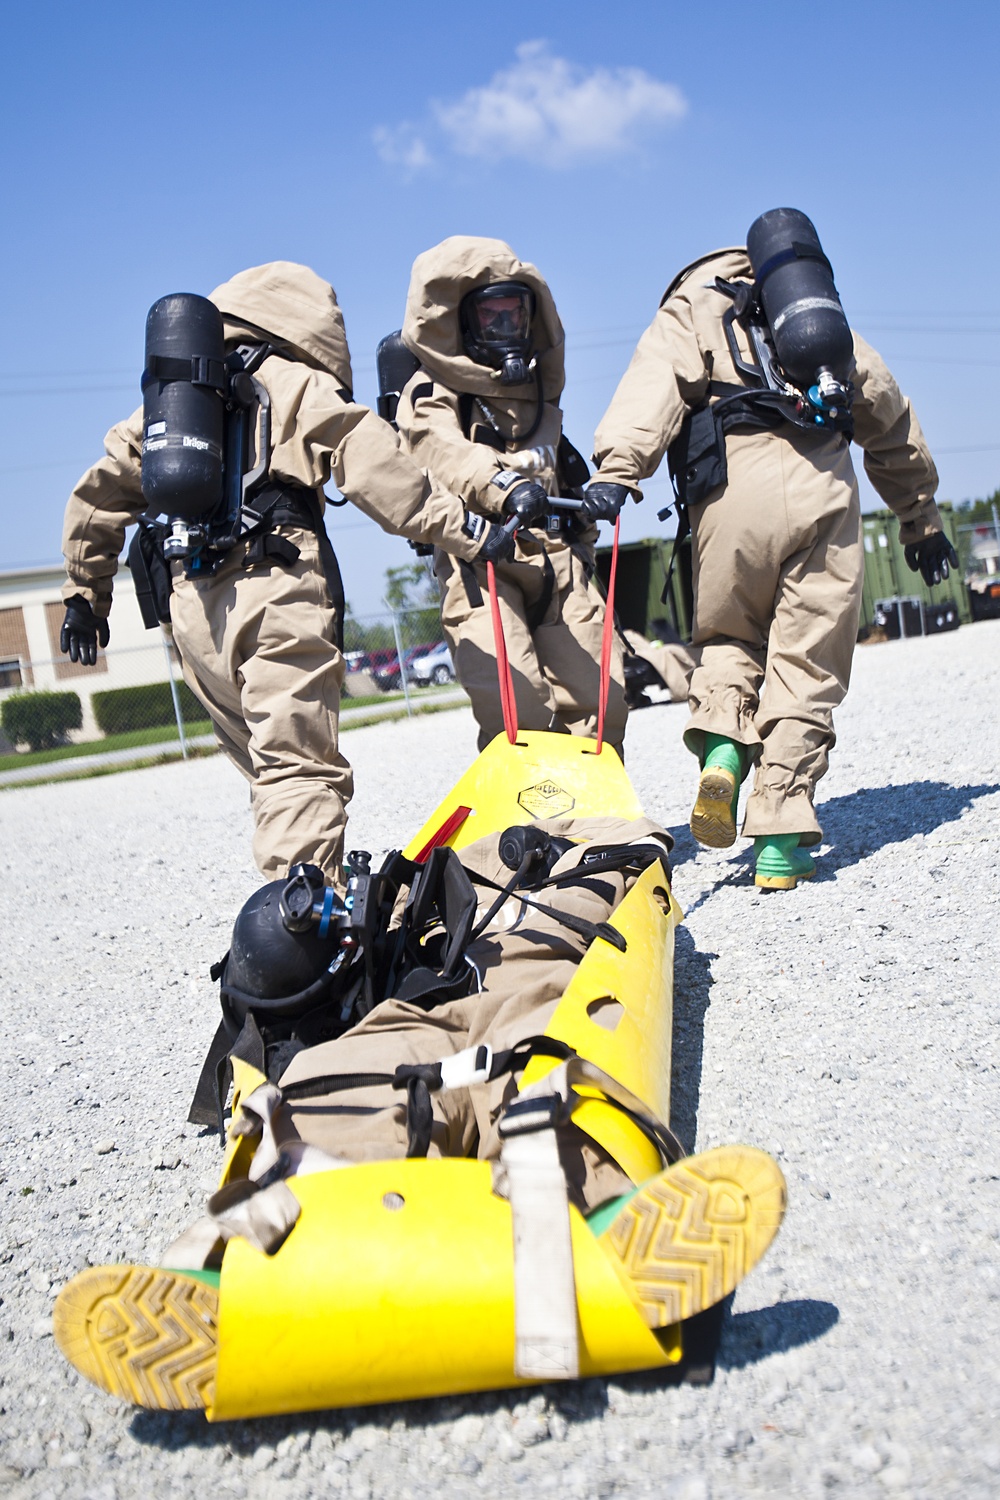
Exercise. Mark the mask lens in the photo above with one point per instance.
(502, 320)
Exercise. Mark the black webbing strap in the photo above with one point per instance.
(537, 612)
(331, 567)
(796, 251)
(266, 547)
(334, 1083)
(473, 591)
(205, 1107)
(420, 1080)
(199, 369)
(580, 925)
(604, 861)
(681, 536)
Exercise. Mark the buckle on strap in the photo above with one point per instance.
(531, 1113)
(465, 1069)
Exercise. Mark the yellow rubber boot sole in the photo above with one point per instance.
(689, 1236)
(782, 882)
(145, 1335)
(712, 821)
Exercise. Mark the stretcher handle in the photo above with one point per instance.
(609, 630)
(556, 502)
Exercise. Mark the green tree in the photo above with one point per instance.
(411, 592)
(969, 513)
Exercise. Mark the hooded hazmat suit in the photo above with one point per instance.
(464, 428)
(257, 640)
(776, 550)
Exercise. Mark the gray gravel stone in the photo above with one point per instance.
(863, 1354)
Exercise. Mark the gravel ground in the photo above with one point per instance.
(846, 1027)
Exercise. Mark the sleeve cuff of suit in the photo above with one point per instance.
(925, 524)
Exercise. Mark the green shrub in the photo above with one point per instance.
(40, 720)
(124, 710)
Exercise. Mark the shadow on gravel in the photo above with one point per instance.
(692, 985)
(578, 1401)
(749, 1337)
(862, 822)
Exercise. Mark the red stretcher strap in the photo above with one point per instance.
(507, 700)
(609, 630)
(451, 824)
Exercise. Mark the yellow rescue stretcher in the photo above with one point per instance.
(398, 1279)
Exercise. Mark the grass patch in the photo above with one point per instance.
(425, 702)
(159, 735)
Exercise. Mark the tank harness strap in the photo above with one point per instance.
(331, 566)
(199, 369)
(473, 591)
(536, 614)
(287, 505)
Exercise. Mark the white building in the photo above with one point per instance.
(31, 616)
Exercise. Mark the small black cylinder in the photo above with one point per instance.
(395, 365)
(800, 300)
(183, 409)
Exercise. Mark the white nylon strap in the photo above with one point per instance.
(545, 1323)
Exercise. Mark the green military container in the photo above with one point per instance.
(888, 577)
(639, 586)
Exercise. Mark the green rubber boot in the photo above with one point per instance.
(713, 817)
(781, 864)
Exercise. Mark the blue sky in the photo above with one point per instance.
(152, 150)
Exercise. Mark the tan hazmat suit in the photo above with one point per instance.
(672, 660)
(465, 428)
(526, 960)
(777, 558)
(258, 643)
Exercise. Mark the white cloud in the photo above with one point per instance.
(401, 146)
(542, 109)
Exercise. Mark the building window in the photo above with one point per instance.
(10, 673)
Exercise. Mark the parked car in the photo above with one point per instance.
(385, 667)
(434, 666)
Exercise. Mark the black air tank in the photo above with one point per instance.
(800, 301)
(183, 409)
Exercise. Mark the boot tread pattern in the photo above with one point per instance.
(686, 1240)
(147, 1336)
(712, 820)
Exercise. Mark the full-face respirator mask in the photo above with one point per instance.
(496, 329)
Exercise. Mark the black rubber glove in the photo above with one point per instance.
(932, 558)
(81, 631)
(498, 544)
(528, 501)
(602, 501)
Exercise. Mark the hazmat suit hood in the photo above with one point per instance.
(733, 265)
(441, 277)
(296, 309)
